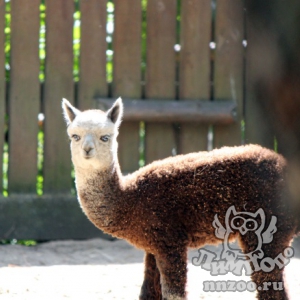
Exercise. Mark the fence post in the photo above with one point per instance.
(160, 73)
(127, 75)
(229, 67)
(194, 71)
(58, 85)
(24, 96)
(92, 81)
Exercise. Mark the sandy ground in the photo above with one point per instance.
(100, 269)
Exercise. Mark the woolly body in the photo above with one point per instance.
(170, 204)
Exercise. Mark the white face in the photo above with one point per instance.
(93, 135)
(93, 140)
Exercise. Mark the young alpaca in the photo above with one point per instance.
(171, 204)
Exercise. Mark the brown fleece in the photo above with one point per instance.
(170, 205)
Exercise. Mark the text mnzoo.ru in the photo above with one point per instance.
(239, 286)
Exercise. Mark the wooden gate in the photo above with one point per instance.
(179, 65)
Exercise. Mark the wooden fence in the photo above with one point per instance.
(190, 55)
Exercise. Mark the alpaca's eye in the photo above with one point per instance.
(76, 137)
(104, 138)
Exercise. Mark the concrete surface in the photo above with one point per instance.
(100, 269)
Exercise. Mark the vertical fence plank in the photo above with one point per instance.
(127, 74)
(228, 67)
(194, 67)
(24, 96)
(92, 53)
(258, 62)
(58, 84)
(160, 73)
(2, 88)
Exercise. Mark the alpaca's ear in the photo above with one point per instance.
(69, 111)
(115, 113)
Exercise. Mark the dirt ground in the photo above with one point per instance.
(101, 269)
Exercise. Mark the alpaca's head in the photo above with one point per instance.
(93, 135)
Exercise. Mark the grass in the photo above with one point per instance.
(18, 242)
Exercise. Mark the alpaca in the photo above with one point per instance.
(171, 204)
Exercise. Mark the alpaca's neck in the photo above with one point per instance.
(105, 178)
(101, 195)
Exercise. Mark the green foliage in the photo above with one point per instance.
(110, 8)
(5, 170)
(142, 145)
(7, 32)
(42, 41)
(275, 145)
(76, 44)
(144, 35)
(243, 131)
(40, 160)
(18, 242)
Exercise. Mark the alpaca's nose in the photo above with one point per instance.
(88, 145)
(88, 149)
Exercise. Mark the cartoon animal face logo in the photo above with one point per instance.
(244, 223)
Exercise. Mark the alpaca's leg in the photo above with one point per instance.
(269, 281)
(151, 289)
(173, 273)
